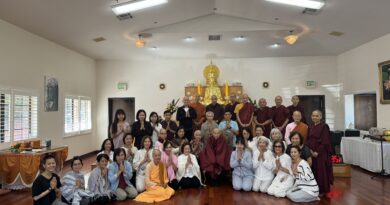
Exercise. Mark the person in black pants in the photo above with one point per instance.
(188, 172)
(185, 115)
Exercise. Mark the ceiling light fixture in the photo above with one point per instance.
(189, 39)
(135, 5)
(140, 43)
(239, 38)
(291, 39)
(311, 4)
(275, 45)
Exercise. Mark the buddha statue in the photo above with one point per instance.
(211, 73)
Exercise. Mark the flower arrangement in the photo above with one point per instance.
(172, 106)
(16, 147)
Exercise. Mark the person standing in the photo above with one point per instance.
(245, 113)
(118, 128)
(280, 115)
(216, 108)
(141, 128)
(185, 115)
(295, 106)
(263, 117)
(231, 106)
(200, 110)
(319, 143)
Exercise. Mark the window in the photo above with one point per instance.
(18, 116)
(77, 115)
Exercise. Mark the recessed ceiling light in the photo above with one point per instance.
(99, 39)
(154, 48)
(311, 4)
(189, 39)
(135, 5)
(239, 38)
(275, 45)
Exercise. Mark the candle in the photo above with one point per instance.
(226, 89)
(198, 88)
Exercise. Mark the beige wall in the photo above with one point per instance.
(25, 59)
(286, 77)
(358, 72)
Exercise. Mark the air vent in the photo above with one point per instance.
(124, 16)
(99, 39)
(214, 37)
(336, 33)
(313, 12)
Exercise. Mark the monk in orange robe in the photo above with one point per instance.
(200, 113)
(156, 181)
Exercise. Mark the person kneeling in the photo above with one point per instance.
(119, 174)
(305, 188)
(241, 162)
(188, 172)
(156, 181)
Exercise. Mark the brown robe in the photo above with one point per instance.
(263, 115)
(292, 109)
(215, 157)
(200, 115)
(218, 111)
(280, 114)
(245, 113)
(319, 141)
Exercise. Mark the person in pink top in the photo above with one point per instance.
(170, 161)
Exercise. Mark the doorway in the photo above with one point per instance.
(311, 103)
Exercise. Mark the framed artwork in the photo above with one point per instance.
(384, 82)
(51, 94)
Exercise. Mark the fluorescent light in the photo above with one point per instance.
(311, 4)
(135, 5)
(239, 38)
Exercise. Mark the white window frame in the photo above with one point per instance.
(79, 131)
(12, 93)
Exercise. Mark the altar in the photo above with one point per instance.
(211, 74)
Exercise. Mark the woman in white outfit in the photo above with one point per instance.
(284, 179)
(263, 160)
(141, 159)
(305, 188)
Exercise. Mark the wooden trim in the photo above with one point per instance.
(83, 157)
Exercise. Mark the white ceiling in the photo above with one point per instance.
(74, 23)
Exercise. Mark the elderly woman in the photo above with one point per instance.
(188, 172)
(255, 140)
(98, 182)
(263, 159)
(305, 188)
(241, 163)
(276, 135)
(73, 185)
(197, 145)
(282, 168)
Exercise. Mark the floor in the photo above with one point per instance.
(360, 189)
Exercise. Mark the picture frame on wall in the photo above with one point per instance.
(384, 82)
(51, 94)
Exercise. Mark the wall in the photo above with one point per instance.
(286, 77)
(362, 63)
(24, 61)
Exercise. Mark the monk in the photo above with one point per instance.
(319, 143)
(156, 181)
(215, 158)
(216, 108)
(185, 114)
(200, 110)
(294, 107)
(280, 115)
(296, 126)
(245, 112)
(231, 106)
(263, 117)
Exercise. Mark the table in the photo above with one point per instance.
(365, 153)
(18, 170)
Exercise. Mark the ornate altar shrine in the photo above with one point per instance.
(211, 73)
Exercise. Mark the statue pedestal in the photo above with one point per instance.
(192, 91)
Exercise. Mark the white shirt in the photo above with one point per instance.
(263, 168)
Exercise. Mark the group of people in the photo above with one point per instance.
(149, 160)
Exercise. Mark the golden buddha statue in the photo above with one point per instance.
(211, 73)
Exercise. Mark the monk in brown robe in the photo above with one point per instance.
(215, 158)
(263, 117)
(216, 108)
(245, 113)
(319, 143)
(294, 107)
(232, 106)
(280, 115)
(200, 110)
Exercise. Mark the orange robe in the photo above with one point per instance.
(200, 115)
(303, 129)
(155, 175)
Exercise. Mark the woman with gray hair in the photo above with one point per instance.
(263, 165)
(276, 135)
